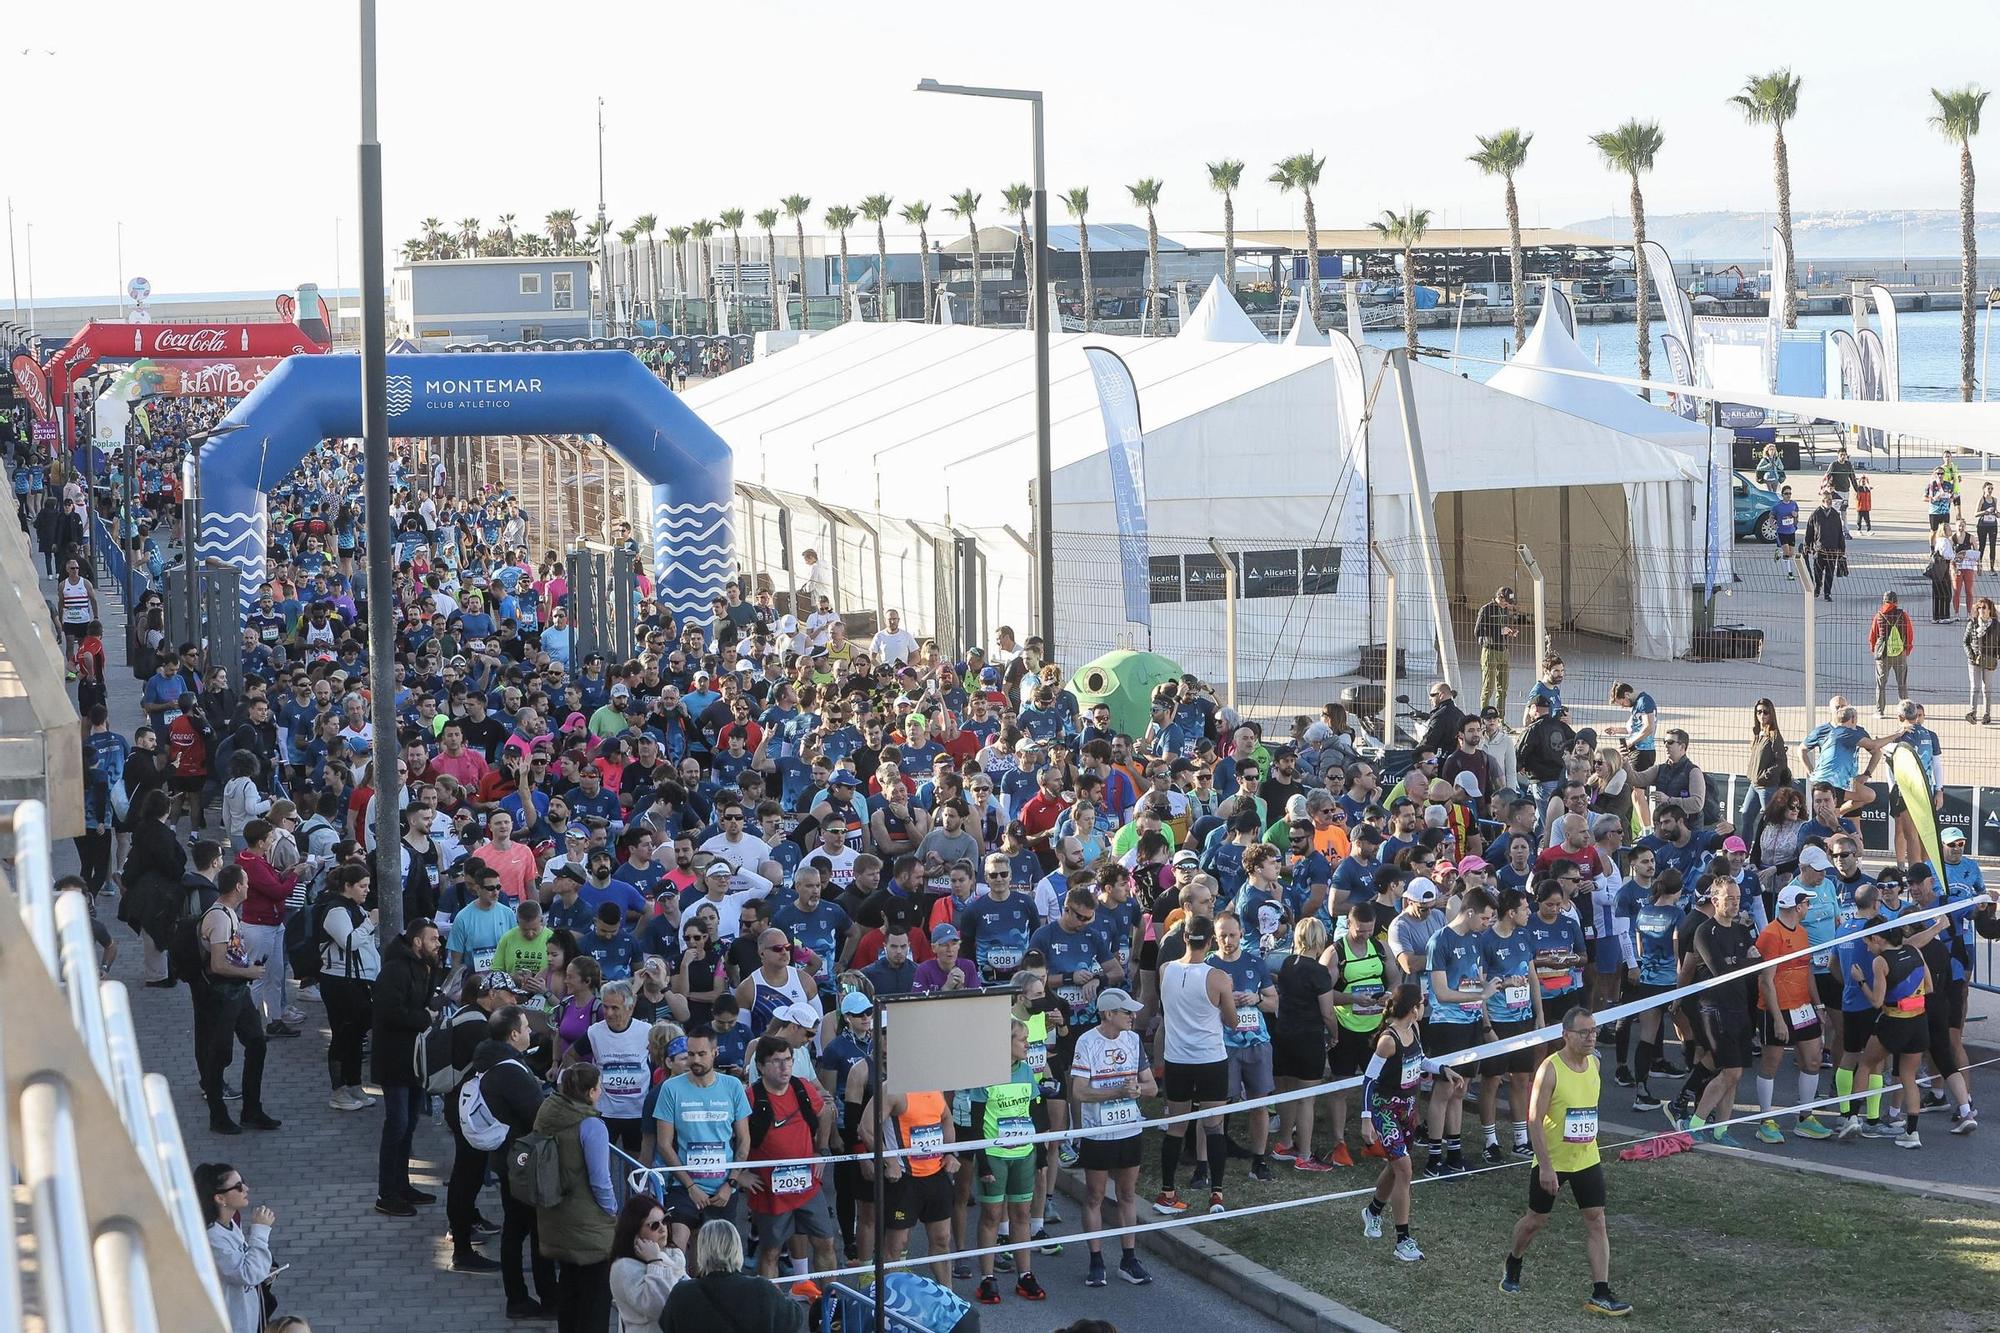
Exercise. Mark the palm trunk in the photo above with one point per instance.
(1153, 313)
(1514, 262)
(1312, 259)
(1968, 244)
(1089, 292)
(1410, 300)
(1781, 162)
(771, 273)
(1028, 268)
(976, 289)
(1639, 272)
(680, 287)
(1229, 243)
(735, 271)
(843, 279)
(924, 263)
(881, 275)
(804, 308)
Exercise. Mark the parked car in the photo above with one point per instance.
(1753, 510)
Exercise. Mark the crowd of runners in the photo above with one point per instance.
(653, 908)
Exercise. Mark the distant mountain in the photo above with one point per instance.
(1832, 234)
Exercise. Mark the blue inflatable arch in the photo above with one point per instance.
(608, 394)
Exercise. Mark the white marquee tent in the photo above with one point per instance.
(1218, 319)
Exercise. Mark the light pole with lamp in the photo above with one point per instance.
(1045, 572)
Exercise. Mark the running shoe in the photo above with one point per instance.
(1965, 1123)
(1371, 1223)
(1283, 1152)
(1608, 1305)
(1261, 1173)
(1066, 1153)
(1199, 1180)
(1934, 1096)
(1510, 1285)
(1051, 1213)
(989, 1290)
(1215, 1204)
(961, 1270)
(1645, 1101)
(1524, 1149)
(1028, 1289)
(1809, 1127)
(1047, 1244)
(1676, 1116)
(1095, 1277)
(1003, 1262)
(1341, 1157)
(1768, 1132)
(1665, 1070)
(1723, 1138)
(1407, 1251)
(1909, 1139)
(1169, 1204)
(1880, 1129)
(1850, 1129)
(1130, 1269)
(1311, 1164)
(1623, 1077)
(1493, 1156)
(1435, 1169)
(1375, 1150)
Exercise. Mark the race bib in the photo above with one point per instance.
(1071, 995)
(1580, 1124)
(1803, 1015)
(1120, 1111)
(1249, 1020)
(482, 959)
(927, 1141)
(1003, 960)
(1821, 961)
(1516, 995)
(624, 1078)
(1014, 1129)
(704, 1160)
(1038, 1056)
(791, 1180)
(1413, 1070)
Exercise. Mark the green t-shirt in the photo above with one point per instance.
(516, 953)
(1007, 1111)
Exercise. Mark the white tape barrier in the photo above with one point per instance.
(1193, 1219)
(1503, 1046)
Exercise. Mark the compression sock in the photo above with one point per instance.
(1808, 1090)
(1910, 1123)
(1649, 1054)
(1767, 1090)
(1843, 1083)
(1514, 1267)
(1875, 1082)
(1600, 1290)
(1376, 1206)
(1218, 1158)
(1170, 1160)
(1402, 1231)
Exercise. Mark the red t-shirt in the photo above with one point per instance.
(1587, 858)
(790, 1135)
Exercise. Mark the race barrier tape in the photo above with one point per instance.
(1504, 1046)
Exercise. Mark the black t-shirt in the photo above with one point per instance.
(1301, 981)
(885, 907)
(1721, 949)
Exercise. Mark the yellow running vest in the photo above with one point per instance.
(1570, 1127)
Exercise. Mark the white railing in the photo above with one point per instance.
(119, 1242)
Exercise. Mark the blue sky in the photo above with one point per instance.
(224, 139)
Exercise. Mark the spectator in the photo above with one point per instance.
(720, 1295)
(577, 1230)
(240, 1241)
(406, 997)
(1891, 637)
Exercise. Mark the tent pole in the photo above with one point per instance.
(1425, 520)
(1389, 648)
(1811, 637)
(1230, 587)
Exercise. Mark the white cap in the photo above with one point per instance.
(1813, 858)
(802, 1014)
(1468, 782)
(1421, 889)
(1792, 895)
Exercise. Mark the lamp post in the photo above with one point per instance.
(1045, 573)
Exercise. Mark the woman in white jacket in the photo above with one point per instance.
(241, 801)
(241, 1243)
(644, 1267)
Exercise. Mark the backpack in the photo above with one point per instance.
(184, 951)
(304, 947)
(534, 1171)
(476, 1121)
(760, 1106)
(435, 1071)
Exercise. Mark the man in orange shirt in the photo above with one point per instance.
(1791, 1014)
(919, 1188)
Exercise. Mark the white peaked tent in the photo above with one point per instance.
(1305, 333)
(944, 308)
(1541, 372)
(1218, 319)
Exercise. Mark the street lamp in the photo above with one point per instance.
(1045, 573)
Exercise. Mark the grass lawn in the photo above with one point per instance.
(1697, 1244)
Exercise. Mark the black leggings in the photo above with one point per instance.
(93, 854)
(1940, 1023)
(1989, 542)
(349, 1010)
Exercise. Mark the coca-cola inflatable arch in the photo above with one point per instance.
(99, 339)
(608, 394)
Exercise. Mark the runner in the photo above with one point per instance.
(1457, 987)
(1507, 954)
(1722, 945)
(1792, 1015)
(1108, 1075)
(1006, 1173)
(1390, 1110)
(1563, 1123)
(1197, 1005)
(1898, 985)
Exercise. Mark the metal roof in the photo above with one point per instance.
(1358, 240)
(1105, 238)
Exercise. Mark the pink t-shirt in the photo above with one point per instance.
(516, 865)
(468, 768)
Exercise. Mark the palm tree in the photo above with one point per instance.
(1224, 178)
(1146, 194)
(918, 214)
(732, 218)
(647, 224)
(506, 225)
(414, 249)
(963, 205)
(1957, 119)
(560, 226)
(1018, 199)
(1077, 201)
(838, 219)
(1631, 149)
(795, 206)
(468, 236)
(677, 238)
(1406, 229)
(767, 218)
(629, 238)
(1772, 99)
(1300, 172)
(876, 208)
(703, 231)
(1502, 155)
(434, 243)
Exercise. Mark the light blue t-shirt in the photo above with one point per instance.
(1457, 956)
(704, 1122)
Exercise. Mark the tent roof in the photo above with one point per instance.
(1535, 373)
(1304, 332)
(1219, 319)
(1105, 238)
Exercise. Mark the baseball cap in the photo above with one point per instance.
(719, 867)
(1421, 889)
(577, 831)
(1813, 858)
(802, 1014)
(621, 691)
(856, 1003)
(701, 675)
(841, 777)
(1185, 857)
(1792, 895)
(989, 676)
(943, 933)
(1468, 782)
(1489, 714)
(1506, 594)
(1114, 999)
(916, 720)
(744, 664)
(1952, 835)
(1472, 863)
(1732, 843)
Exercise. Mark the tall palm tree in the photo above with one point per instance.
(415, 249)
(1957, 119)
(1406, 229)
(1502, 155)
(468, 236)
(677, 238)
(1077, 201)
(647, 224)
(703, 232)
(838, 219)
(767, 218)
(560, 226)
(1145, 193)
(1631, 149)
(506, 225)
(918, 214)
(963, 206)
(433, 230)
(1772, 99)
(796, 206)
(629, 238)
(732, 218)
(1225, 177)
(1300, 172)
(876, 208)
(1018, 198)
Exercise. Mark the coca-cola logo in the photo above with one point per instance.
(32, 385)
(191, 340)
